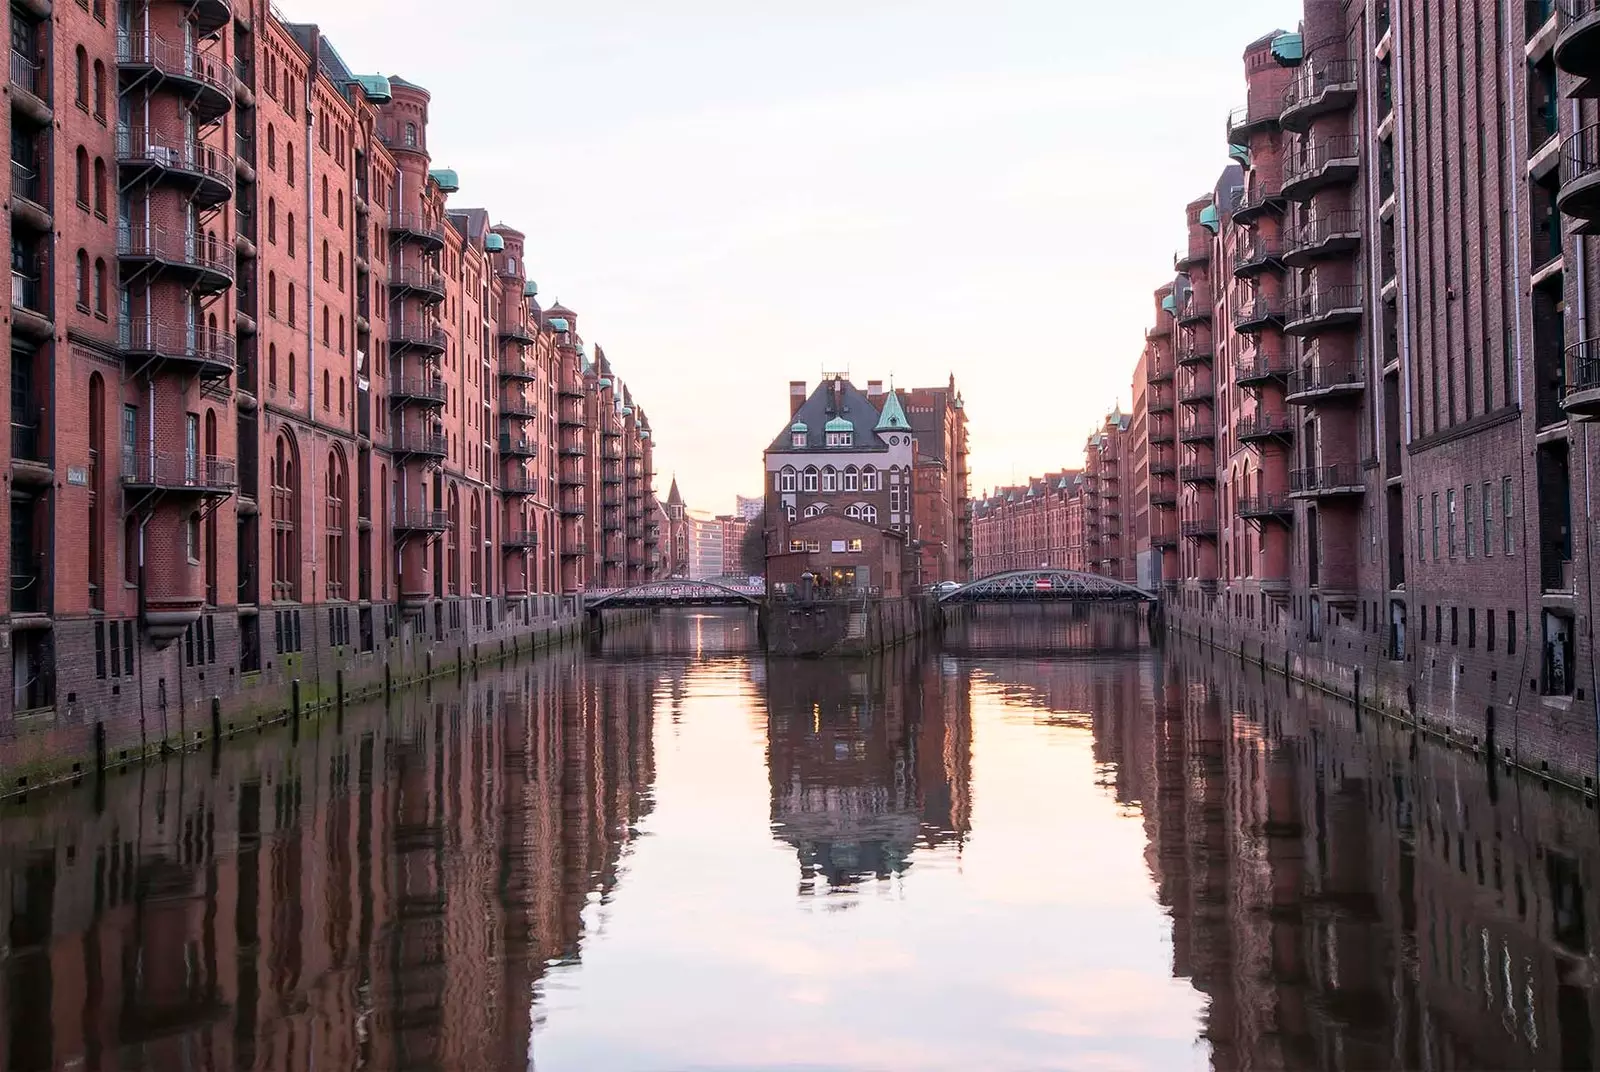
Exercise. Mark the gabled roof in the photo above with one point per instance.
(893, 417)
(856, 413)
(673, 498)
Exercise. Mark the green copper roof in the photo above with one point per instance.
(493, 243)
(627, 411)
(375, 86)
(1209, 219)
(1288, 49)
(1240, 153)
(838, 424)
(1169, 304)
(893, 418)
(799, 426)
(644, 433)
(447, 179)
(605, 381)
(531, 289)
(559, 323)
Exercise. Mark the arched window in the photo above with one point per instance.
(100, 187)
(816, 509)
(291, 305)
(810, 483)
(383, 515)
(830, 478)
(324, 190)
(289, 235)
(272, 294)
(452, 547)
(341, 395)
(869, 478)
(97, 457)
(272, 147)
(338, 522)
(341, 271)
(285, 482)
(82, 280)
(475, 550)
(411, 132)
(294, 388)
(272, 364)
(288, 161)
(867, 512)
(327, 382)
(81, 78)
(786, 479)
(99, 90)
(326, 336)
(341, 333)
(272, 221)
(101, 288)
(788, 511)
(851, 478)
(341, 209)
(326, 275)
(80, 184)
(210, 541)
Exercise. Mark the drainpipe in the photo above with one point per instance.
(1402, 277)
(1509, 179)
(313, 552)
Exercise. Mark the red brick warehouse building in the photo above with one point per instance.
(1381, 360)
(276, 403)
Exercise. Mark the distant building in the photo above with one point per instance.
(748, 507)
(676, 563)
(734, 528)
(1038, 523)
(704, 545)
(942, 535)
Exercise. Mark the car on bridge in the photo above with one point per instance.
(940, 588)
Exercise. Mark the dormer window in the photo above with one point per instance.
(798, 439)
(840, 439)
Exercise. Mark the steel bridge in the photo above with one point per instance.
(1047, 586)
(674, 593)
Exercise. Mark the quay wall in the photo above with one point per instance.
(840, 627)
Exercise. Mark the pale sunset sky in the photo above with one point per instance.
(732, 195)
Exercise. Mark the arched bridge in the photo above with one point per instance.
(1047, 586)
(674, 593)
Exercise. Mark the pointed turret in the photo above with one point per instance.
(673, 498)
(893, 417)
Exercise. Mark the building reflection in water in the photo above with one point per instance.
(869, 760)
(385, 894)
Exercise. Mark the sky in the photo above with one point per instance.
(737, 195)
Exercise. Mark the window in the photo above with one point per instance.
(326, 275)
(1435, 500)
(1422, 528)
(1489, 631)
(289, 234)
(1507, 514)
(291, 305)
(894, 500)
(272, 364)
(855, 543)
(192, 538)
(327, 402)
(288, 161)
(810, 480)
(1472, 627)
(272, 148)
(101, 288)
(1455, 622)
(324, 195)
(841, 439)
(816, 509)
(797, 546)
(272, 294)
(293, 385)
(786, 480)
(852, 479)
(410, 136)
(81, 78)
(82, 280)
(1488, 517)
(100, 188)
(869, 479)
(1450, 521)
(100, 91)
(80, 184)
(1511, 632)
(1471, 526)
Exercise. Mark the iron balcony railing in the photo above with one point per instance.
(1262, 365)
(1195, 473)
(1197, 430)
(417, 333)
(30, 585)
(405, 442)
(1256, 197)
(1325, 477)
(177, 248)
(152, 336)
(27, 439)
(1258, 310)
(1316, 156)
(175, 61)
(1325, 226)
(1583, 366)
(518, 539)
(27, 182)
(519, 407)
(1325, 375)
(416, 225)
(404, 520)
(426, 388)
(1255, 113)
(519, 483)
(1326, 301)
(1317, 77)
(28, 292)
(177, 472)
(1196, 390)
(1267, 504)
(414, 277)
(1199, 527)
(197, 158)
(1580, 154)
(1258, 425)
(27, 74)
(519, 445)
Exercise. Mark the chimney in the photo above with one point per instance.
(797, 396)
(874, 390)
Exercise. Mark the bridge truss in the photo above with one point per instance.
(1048, 586)
(674, 593)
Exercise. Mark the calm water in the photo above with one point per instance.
(1034, 846)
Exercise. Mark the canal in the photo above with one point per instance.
(1034, 844)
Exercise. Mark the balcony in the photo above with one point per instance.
(30, 585)
(410, 521)
(1579, 193)
(30, 311)
(1257, 200)
(427, 444)
(1196, 254)
(1327, 234)
(1252, 315)
(207, 266)
(518, 331)
(1320, 86)
(1196, 473)
(570, 389)
(1194, 352)
(423, 282)
(1160, 432)
(1250, 119)
(1325, 308)
(1163, 497)
(1199, 529)
(204, 172)
(1325, 380)
(30, 454)
(1261, 427)
(145, 340)
(1577, 49)
(1320, 163)
(1159, 401)
(1158, 372)
(1163, 467)
(1197, 390)
(517, 482)
(194, 474)
(1262, 367)
(516, 369)
(571, 417)
(1198, 432)
(520, 408)
(30, 88)
(204, 79)
(415, 228)
(1163, 538)
(575, 550)
(428, 391)
(1269, 506)
(1259, 254)
(575, 508)
(573, 450)
(1326, 481)
(518, 539)
(517, 446)
(425, 335)
(30, 198)
(1197, 310)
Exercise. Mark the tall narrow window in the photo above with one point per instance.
(99, 90)
(1470, 521)
(82, 280)
(272, 221)
(101, 288)
(1488, 518)
(100, 188)
(1422, 527)
(1508, 514)
(272, 147)
(80, 78)
(97, 453)
(80, 183)
(1450, 520)
(289, 236)
(1435, 501)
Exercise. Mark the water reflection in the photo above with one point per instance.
(670, 854)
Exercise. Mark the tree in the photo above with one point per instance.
(753, 547)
